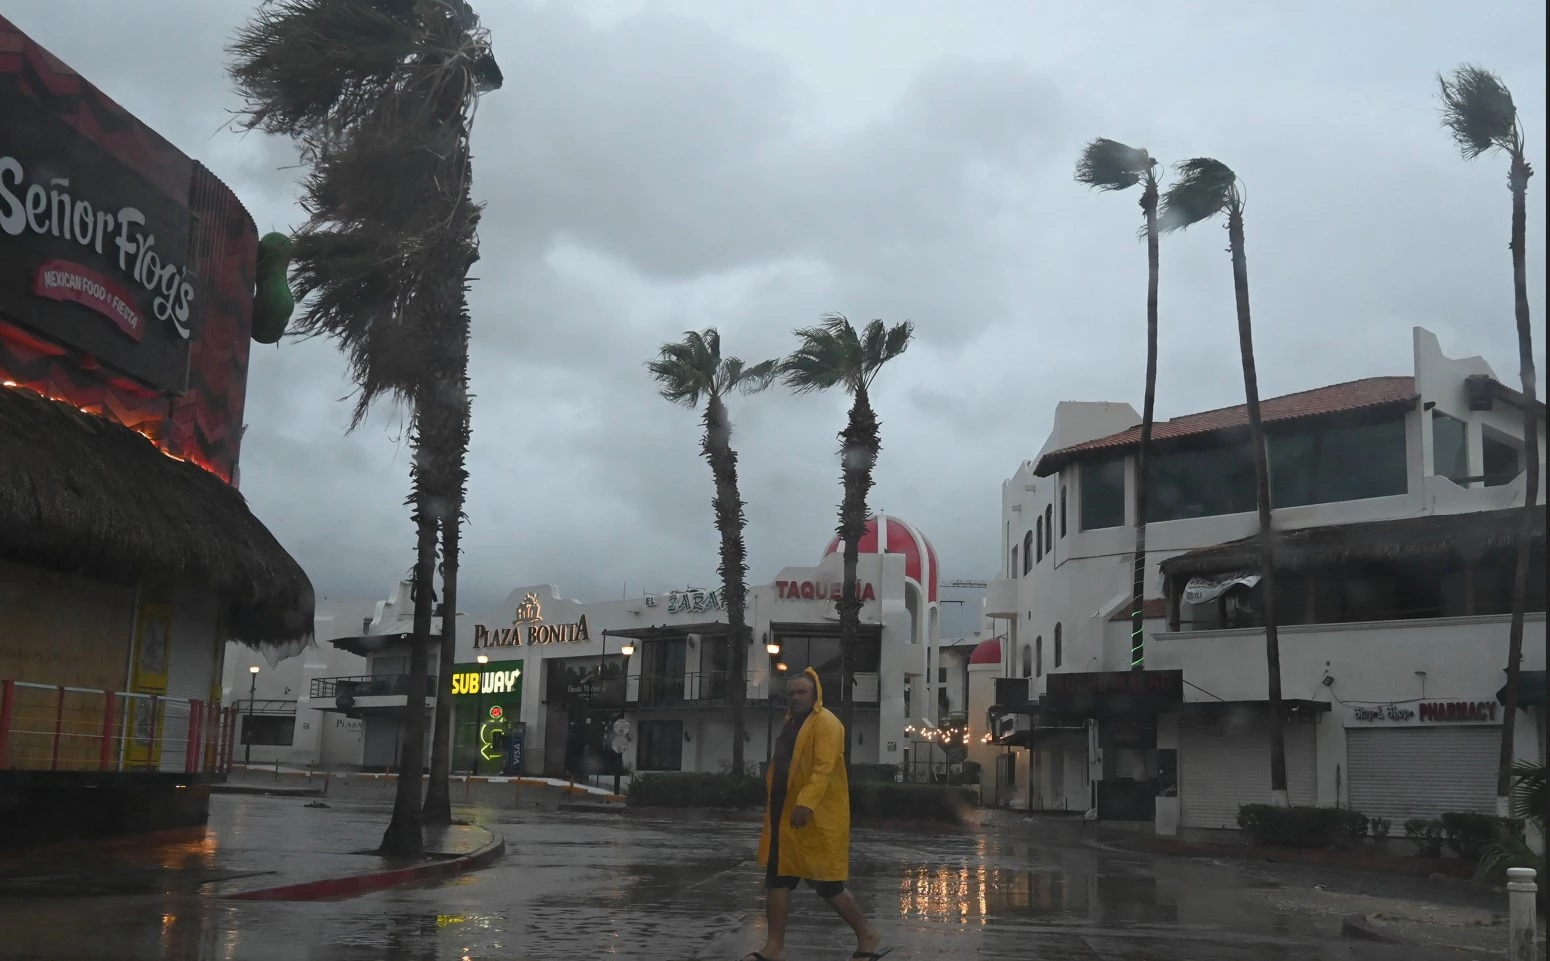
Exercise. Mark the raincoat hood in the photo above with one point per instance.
(812, 675)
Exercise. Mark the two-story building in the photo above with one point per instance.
(1396, 502)
(563, 674)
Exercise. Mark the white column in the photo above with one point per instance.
(1521, 891)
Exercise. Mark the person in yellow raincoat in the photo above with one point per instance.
(807, 820)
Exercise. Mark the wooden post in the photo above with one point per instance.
(153, 760)
(59, 727)
(109, 717)
(191, 745)
(7, 708)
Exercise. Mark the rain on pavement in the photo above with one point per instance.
(606, 885)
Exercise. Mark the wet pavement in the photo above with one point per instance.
(590, 885)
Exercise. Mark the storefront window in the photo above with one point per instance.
(1200, 483)
(661, 746)
(1103, 494)
(1503, 460)
(271, 730)
(1329, 463)
(1450, 447)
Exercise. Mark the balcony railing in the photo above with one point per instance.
(713, 689)
(46, 727)
(371, 685)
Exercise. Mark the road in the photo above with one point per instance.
(596, 885)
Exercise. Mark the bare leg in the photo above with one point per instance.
(867, 938)
(777, 906)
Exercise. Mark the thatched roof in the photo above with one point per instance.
(84, 494)
(1433, 536)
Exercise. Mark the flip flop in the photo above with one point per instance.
(873, 956)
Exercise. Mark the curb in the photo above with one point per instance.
(1358, 928)
(255, 791)
(356, 884)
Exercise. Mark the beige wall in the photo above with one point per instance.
(63, 629)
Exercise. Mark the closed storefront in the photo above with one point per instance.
(1422, 772)
(1224, 763)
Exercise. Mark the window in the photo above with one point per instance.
(269, 730)
(1012, 571)
(1057, 645)
(1027, 552)
(1038, 538)
(1503, 460)
(661, 746)
(1062, 510)
(1331, 462)
(1049, 529)
(1450, 447)
(1038, 657)
(1202, 482)
(1103, 494)
(1027, 662)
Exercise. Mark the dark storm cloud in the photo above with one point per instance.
(753, 167)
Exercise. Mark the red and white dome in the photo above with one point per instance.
(987, 652)
(890, 535)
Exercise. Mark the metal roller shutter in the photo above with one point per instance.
(1402, 773)
(1224, 766)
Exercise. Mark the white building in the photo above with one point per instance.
(267, 700)
(1393, 498)
(557, 667)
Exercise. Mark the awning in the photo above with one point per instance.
(1291, 705)
(821, 629)
(373, 643)
(1531, 690)
(82, 493)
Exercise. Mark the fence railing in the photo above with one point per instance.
(48, 727)
(714, 689)
(367, 685)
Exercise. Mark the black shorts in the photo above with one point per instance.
(828, 890)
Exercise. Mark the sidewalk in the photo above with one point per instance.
(249, 843)
(486, 791)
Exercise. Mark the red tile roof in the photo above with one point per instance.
(1354, 395)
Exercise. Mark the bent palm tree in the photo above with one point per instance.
(1110, 165)
(832, 354)
(377, 95)
(1204, 189)
(686, 372)
(1478, 110)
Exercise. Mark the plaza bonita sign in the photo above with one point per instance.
(529, 615)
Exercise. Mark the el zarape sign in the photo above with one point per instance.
(500, 678)
(91, 254)
(527, 625)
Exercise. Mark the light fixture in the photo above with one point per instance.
(627, 650)
(253, 669)
(781, 667)
(483, 658)
(773, 650)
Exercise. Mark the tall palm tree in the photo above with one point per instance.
(687, 372)
(1110, 165)
(1206, 188)
(1478, 111)
(378, 96)
(833, 354)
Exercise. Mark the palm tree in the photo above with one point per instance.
(1478, 111)
(833, 354)
(686, 372)
(378, 96)
(1204, 189)
(1110, 165)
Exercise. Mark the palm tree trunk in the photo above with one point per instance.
(1148, 412)
(859, 444)
(1267, 584)
(728, 507)
(1518, 177)
(405, 832)
(438, 794)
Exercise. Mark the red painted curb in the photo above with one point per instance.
(365, 883)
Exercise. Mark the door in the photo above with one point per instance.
(1403, 773)
(556, 734)
(1225, 763)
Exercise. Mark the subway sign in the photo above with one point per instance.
(498, 678)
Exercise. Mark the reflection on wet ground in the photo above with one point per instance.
(583, 886)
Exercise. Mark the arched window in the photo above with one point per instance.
(1027, 662)
(1027, 552)
(1057, 645)
(1038, 656)
(1038, 539)
(1049, 529)
(1062, 510)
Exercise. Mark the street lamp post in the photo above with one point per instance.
(627, 649)
(772, 648)
(247, 728)
(482, 660)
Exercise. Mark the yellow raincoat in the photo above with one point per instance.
(820, 851)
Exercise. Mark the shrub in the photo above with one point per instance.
(696, 790)
(1301, 827)
(909, 802)
(1426, 835)
(1469, 835)
(874, 772)
(1379, 827)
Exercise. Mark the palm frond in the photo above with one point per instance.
(752, 380)
(686, 370)
(1478, 111)
(1110, 165)
(1204, 189)
(827, 354)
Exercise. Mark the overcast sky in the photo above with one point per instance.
(651, 167)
